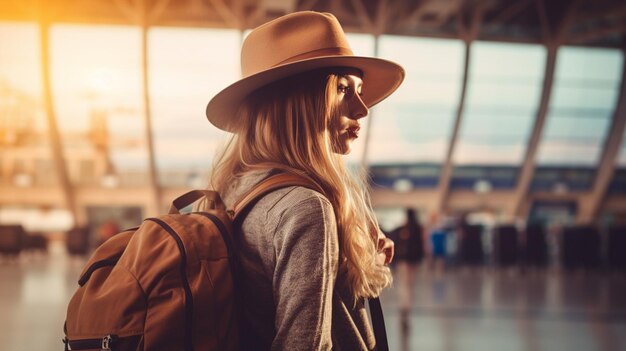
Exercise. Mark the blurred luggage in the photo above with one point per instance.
(570, 248)
(616, 248)
(472, 245)
(536, 249)
(506, 245)
(36, 242)
(77, 241)
(591, 244)
(11, 240)
(580, 247)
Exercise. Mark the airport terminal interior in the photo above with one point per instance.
(506, 141)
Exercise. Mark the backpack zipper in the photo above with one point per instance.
(183, 272)
(111, 261)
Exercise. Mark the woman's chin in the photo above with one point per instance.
(343, 145)
(342, 149)
(346, 148)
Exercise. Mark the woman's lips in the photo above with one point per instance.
(353, 132)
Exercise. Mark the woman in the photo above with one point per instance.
(308, 259)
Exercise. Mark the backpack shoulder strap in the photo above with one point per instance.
(272, 183)
(378, 324)
(213, 198)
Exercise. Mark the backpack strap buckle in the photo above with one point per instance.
(107, 342)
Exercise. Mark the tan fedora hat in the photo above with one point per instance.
(293, 44)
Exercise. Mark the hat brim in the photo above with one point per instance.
(380, 77)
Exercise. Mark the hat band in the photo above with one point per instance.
(336, 51)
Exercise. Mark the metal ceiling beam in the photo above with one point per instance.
(366, 22)
(377, 23)
(444, 15)
(527, 169)
(381, 18)
(613, 11)
(477, 20)
(432, 15)
(257, 17)
(418, 12)
(158, 10)
(571, 12)
(469, 32)
(508, 12)
(153, 180)
(598, 33)
(308, 5)
(443, 186)
(606, 168)
(231, 16)
(553, 38)
(337, 8)
(128, 10)
(546, 27)
(53, 129)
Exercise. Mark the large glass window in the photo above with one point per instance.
(185, 73)
(98, 96)
(25, 157)
(414, 124)
(20, 66)
(584, 95)
(503, 92)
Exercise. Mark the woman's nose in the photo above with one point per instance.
(358, 109)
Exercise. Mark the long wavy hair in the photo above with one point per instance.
(287, 123)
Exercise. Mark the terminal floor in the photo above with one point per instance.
(461, 309)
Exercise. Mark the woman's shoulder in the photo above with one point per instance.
(292, 212)
(295, 201)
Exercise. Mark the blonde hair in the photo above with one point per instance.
(287, 123)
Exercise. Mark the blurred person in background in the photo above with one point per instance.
(409, 247)
(438, 244)
(107, 230)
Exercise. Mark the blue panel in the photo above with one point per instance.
(499, 177)
(548, 212)
(424, 175)
(572, 179)
(618, 183)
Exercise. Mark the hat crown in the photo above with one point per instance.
(298, 36)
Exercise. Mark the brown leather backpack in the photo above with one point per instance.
(167, 285)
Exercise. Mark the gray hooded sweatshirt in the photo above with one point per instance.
(293, 297)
